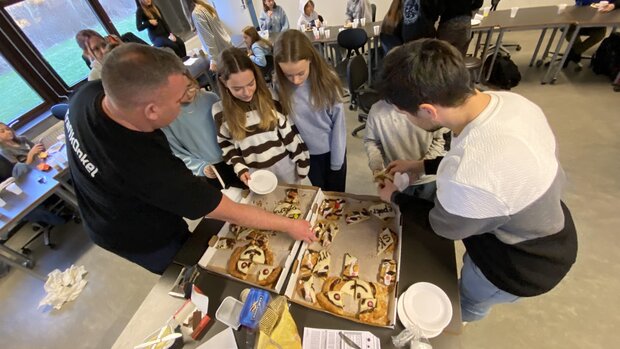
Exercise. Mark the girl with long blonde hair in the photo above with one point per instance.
(210, 30)
(253, 131)
(258, 48)
(310, 93)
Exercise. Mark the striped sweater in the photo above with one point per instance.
(261, 149)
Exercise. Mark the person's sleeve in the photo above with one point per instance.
(170, 186)
(20, 169)
(230, 153)
(476, 4)
(372, 144)
(8, 155)
(284, 21)
(298, 151)
(205, 34)
(348, 14)
(338, 141)
(437, 146)
(300, 21)
(192, 162)
(141, 20)
(258, 55)
(264, 21)
(454, 226)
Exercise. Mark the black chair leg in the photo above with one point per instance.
(357, 129)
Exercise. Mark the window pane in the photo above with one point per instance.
(51, 25)
(16, 96)
(123, 16)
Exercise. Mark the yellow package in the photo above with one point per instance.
(277, 329)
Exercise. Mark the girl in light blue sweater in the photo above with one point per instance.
(258, 48)
(310, 93)
(273, 18)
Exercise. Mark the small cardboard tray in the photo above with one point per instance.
(358, 239)
(283, 247)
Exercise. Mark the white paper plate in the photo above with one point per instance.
(263, 182)
(408, 324)
(427, 306)
(55, 148)
(475, 21)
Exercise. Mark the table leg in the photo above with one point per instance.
(369, 63)
(477, 47)
(540, 40)
(485, 48)
(498, 43)
(564, 57)
(548, 48)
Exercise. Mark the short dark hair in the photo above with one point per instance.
(425, 71)
(132, 72)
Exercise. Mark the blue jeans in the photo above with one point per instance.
(478, 294)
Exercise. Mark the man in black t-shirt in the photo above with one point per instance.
(131, 190)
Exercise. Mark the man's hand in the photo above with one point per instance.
(269, 13)
(386, 189)
(245, 178)
(153, 22)
(608, 8)
(172, 37)
(300, 230)
(209, 172)
(213, 66)
(412, 167)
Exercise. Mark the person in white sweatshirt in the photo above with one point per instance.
(309, 17)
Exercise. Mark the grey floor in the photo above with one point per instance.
(582, 312)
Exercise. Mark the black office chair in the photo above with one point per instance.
(362, 96)
(373, 8)
(352, 40)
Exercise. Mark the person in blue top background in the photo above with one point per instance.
(193, 138)
(258, 48)
(273, 18)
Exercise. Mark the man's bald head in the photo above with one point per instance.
(132, 73)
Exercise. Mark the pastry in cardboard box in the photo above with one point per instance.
(382, 211)
(387, 241)
(331, 301)
(387, 273)
(268, 274)
(332, 208)
(305, 288)
(351, 267)
(321, 269)
(357, 216)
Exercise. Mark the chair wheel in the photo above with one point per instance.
(26, 251)
(351, 107)
(518, 47)
(539, 63)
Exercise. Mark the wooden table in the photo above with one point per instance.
(425, 257)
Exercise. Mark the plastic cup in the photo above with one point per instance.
(327, 33)
(513, 12)
(321, 30)
(561, 8)
(363, 21)
(14, 188)
(377, 30)
(356, 23)
(486, 10)
(340, 29)
(317, 35)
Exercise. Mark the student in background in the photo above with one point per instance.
(358, 9)
(94, 47)
(391, 139)
(149, 16)
(17, 148)
(253, 132)
(273, 18)
(258, 48)
(392, 27)
(455, 24)
(308, 18)
(193, 137)
(210, 30)
(311, 94)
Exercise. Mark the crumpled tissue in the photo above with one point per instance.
(63, 287)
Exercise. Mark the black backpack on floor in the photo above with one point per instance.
(505, 73)
(606, 59)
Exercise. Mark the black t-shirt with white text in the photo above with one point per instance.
(132, 191)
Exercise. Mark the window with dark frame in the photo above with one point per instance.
(40, 62)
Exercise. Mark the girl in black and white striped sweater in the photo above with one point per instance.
(253, 132)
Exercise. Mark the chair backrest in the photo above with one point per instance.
(352, 39)
(373, 7)
(357, 73)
